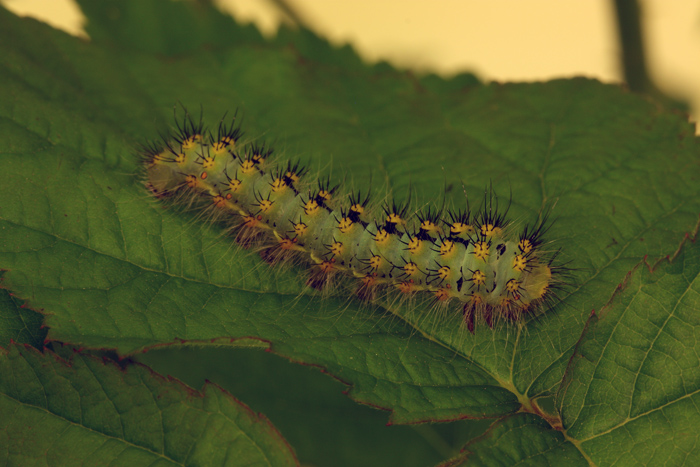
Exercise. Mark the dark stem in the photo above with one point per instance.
(293, 15)
(630, 33)
(629, 26)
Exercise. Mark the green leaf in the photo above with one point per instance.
(89, 411)
(111, 268)
(156, 27)
(307, 403)
(522, 439)
(19, 324)
(631, 393)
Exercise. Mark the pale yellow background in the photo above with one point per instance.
(503, 40)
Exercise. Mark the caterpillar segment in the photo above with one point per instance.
(475, 260)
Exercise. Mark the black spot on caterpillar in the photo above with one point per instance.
(477, 260)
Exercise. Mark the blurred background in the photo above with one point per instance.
(505, 40)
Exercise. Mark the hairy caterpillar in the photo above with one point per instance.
(476, 260)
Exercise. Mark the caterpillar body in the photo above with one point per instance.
(476, 260)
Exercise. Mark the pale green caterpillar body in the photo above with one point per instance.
(478, 260)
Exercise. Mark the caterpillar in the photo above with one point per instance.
(477, 260)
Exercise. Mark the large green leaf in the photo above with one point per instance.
(632, 392)
(90, 412)
(110, 268)
(522, 439)
(309, 409)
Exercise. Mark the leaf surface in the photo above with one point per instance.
(111, 268)
(631, 394)
(310, 410)
(523, 439)
(19, 324)
(88, 411)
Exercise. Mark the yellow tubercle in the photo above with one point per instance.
(358, 208)
(368, 279)
(415, 246)
(219, 201)
(442, 294)
(394, 218)
(247, 167)
(458, 228)
(447, 249)
(481, 250)
(431, 227)
(208, 162)
(504, 301)
(519, 263)
(345, 225)
(300, 229)
(478, 278)
(525, 245)
(311, 207)
(444, 272)
(265, 205)
(406, 286)
(289, 244)
(410, 269)
(337, 248)
(513, 285)
(278, 185)
(191, 142)
(251, 221)
(234, 185)
(489, 230)
(220, 147)
(327, 266)
(191, 181)
(539, 288)
(381, 237)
